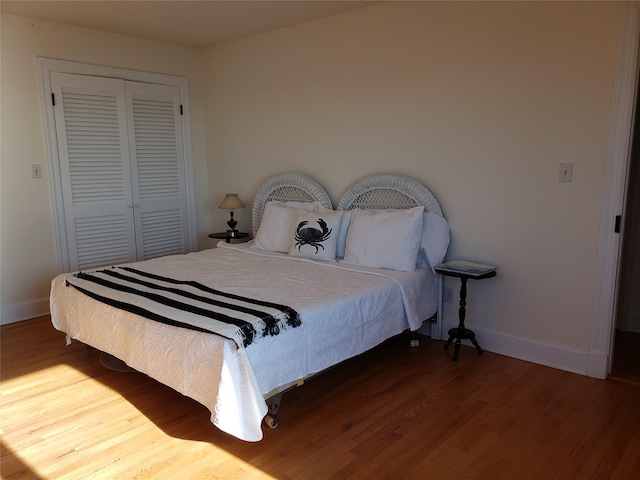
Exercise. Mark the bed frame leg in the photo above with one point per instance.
(271, 419)
(413, 340)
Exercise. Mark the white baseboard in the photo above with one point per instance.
(23, 311)
(555, 356)
(598, 364)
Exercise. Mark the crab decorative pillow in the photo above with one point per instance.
(316, 235)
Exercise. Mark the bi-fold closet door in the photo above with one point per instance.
(120, 147)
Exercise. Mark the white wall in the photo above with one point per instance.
(28, 254)
(480, 101)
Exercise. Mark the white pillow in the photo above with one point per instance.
(435, 240)
(344, 228)
(316, 235)
(385, 239)
(342, 236)
(274, 233)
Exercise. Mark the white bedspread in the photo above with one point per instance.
(345, 310)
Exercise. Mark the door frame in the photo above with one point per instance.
(48, 65)
(600, 355)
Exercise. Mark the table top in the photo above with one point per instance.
(465, 269)
(225, 235)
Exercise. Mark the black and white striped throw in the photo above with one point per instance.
(186, 304)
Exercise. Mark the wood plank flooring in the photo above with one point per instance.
(392, 413)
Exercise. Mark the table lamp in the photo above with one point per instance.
(231, 202)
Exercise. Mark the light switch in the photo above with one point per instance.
(566, 172)
(36, 170)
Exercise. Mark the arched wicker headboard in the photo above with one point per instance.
(388, 190)
(288, 187)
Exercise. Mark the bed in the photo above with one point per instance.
(330, 290)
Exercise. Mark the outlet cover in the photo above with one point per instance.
(448, 295)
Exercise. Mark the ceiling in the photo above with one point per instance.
(192, 23)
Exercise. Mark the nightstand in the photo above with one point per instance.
(464, 270)
(238, 237)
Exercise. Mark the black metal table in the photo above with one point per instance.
(464, 270)
(229, 235)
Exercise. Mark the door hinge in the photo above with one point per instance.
(53, 99)
(618, 221)
(181, 112)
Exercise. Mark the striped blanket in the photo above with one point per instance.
(186, 304)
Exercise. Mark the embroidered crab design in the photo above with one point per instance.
(312, 236)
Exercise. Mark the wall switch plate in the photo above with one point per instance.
(566, 172)
(36, 170)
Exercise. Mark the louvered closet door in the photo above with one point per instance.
(157, 168)
(91, 129)
(120, 147)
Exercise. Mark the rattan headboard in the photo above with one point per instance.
(388, 190)
(288, 187)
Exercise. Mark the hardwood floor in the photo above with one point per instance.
(394, 412)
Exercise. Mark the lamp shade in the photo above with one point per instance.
(231, 201)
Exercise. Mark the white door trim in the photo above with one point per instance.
(48, 65)
(604, 311)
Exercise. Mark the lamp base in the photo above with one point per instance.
(232, 223)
